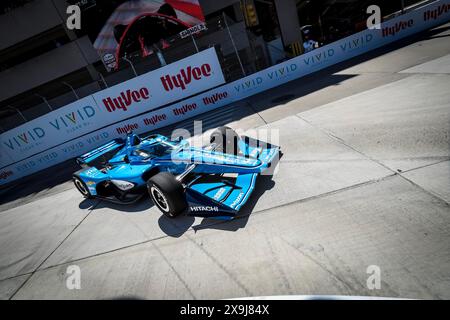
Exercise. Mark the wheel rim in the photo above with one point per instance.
(80, 186)
(159, 199)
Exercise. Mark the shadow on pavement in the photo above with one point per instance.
(178, 226)
(142, 205)
(175, 227)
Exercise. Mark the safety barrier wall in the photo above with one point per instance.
(171, 83)
(431, 15)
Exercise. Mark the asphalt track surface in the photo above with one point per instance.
(364, 180)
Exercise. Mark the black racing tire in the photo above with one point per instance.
(226, 140)
(167, 193)
(81, 186)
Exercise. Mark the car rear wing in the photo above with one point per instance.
(87, 158)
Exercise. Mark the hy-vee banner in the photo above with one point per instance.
(144, 93)
(112, 104)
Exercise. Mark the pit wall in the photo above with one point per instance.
(89, 122)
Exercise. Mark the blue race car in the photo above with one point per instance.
(213, 181)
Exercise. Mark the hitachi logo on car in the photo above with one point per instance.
(205, 208)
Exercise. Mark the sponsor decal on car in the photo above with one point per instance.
(92, 172)
(238, 199)
(219, 194)
(204, 208)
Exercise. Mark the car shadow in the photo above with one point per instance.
(142, 205)
(263, 184)
(176, 227)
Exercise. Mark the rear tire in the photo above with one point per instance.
(226, 140)
(82, 187)
(167, 193)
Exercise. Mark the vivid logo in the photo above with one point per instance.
(356, 43)
(319, 57)
(25, 138)
(282, 72)
(73, 118)
(398, 27)
(125, 99)
(185, 77)
(436, 13)
(249, 84)
(97, 138)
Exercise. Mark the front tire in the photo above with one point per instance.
(167, 193)
(82, 187)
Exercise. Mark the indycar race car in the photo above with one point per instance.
(213, 181)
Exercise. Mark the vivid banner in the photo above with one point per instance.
(71, 121)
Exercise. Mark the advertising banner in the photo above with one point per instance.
(54, 156)
(174, 113)
(395, 29)
(210, 100)
(151, 90)
(165, 85)
(59, 126)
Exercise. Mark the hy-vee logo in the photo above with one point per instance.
(184, 77)
(205, 208)
(126, 99)
(436, 13)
